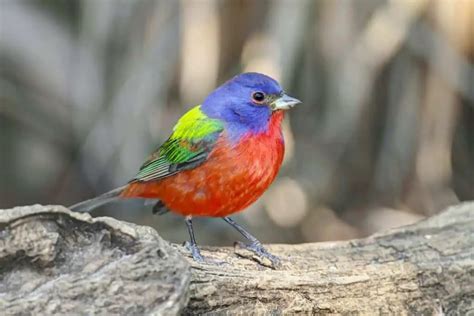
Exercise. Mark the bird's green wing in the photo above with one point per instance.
(188, 146)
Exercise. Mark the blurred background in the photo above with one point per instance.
(384, 138)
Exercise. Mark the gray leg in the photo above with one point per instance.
(255, 246)
(193, 248)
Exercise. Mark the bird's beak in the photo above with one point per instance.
(284, 102)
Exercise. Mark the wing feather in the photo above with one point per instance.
(192, 140)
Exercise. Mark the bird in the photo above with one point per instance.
(221, 156)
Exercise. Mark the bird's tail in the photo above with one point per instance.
(89, 205)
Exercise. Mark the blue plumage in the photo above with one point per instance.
(232, 103)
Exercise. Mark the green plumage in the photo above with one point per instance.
(188, 146)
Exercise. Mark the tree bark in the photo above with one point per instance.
(56, 261)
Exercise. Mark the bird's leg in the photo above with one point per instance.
(192, 246)
(255, 245)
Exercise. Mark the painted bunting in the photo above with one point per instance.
(220, 158)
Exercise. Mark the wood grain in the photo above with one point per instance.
(55, 261)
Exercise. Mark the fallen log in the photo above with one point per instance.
(55, 261)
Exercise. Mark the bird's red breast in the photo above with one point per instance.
(232, 178)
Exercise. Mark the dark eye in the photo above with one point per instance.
(258, 97)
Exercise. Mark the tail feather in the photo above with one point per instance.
(89, 205)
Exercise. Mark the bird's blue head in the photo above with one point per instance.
(246, 103)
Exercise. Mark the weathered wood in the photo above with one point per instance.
(56, 261)
(423, 269)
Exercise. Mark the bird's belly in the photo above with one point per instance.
(229, 181)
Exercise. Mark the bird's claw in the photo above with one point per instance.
(196, 254)
(194, 250)
(258, 249)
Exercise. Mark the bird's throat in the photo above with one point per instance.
(274, 125)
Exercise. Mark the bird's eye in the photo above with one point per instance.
(258, 97)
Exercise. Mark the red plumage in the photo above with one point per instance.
(232, 178)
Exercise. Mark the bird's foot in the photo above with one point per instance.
(196, 254)
(262, 253)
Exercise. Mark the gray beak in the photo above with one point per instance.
(284, 102)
